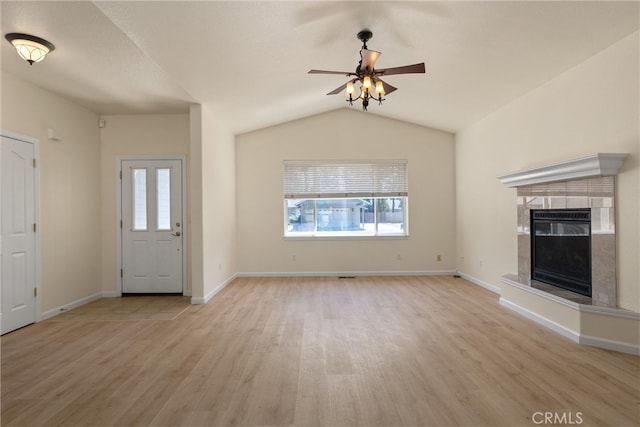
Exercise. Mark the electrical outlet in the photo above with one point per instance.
(398, 257)
(439, 258)
(293, 257)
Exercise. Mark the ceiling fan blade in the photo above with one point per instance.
(407, 69)
(387, 87)
(342, 73)
(338, 90)
(341, 88)
(369, 58)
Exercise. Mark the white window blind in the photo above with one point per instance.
(331, 179)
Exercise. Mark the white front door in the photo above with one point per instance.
(18, 234)
(152, 226)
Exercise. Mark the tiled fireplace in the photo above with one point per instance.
(585, 184)
(595, 194)
(581, 189)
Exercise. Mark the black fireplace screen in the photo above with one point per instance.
(561, 248)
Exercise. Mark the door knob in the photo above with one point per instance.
(177, 234)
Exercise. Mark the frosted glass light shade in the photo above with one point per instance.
(350, 90)
(30, 48)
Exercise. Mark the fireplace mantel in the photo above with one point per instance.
(601, 164)
(587, 182)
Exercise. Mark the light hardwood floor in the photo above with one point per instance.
(370, 351)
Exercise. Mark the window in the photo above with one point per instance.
(163, 187)
(139, 199)
(349, 198)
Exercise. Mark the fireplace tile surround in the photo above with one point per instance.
(596, 193)
(587, 182)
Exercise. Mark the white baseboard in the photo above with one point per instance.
(556, 327)
(622, 347)
(206, 298)
(75, 304)
(493, 288)
(345, 273)
(572, 335)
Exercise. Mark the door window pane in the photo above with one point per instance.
(139, 199)
(163, 180)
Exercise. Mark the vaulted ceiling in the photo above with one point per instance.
(249, 60)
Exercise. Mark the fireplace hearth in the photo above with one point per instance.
(561, 248)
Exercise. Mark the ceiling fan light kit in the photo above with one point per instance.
(30, 48)
(372, 87)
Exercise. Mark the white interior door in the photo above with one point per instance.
(18, 234)
(152, 225)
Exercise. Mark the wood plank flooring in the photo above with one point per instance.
(370, 351)
(137, 307)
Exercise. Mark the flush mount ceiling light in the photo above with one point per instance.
(30, 48)
(371, 85)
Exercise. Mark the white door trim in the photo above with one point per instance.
(186, 290)
(36, 207)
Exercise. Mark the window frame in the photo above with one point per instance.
(311, 191)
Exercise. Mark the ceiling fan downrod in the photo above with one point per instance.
(364, 36)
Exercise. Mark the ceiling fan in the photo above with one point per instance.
(371, 85)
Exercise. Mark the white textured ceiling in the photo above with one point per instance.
(249, 60)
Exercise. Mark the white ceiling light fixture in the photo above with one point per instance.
(30, 48)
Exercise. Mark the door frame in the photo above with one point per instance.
(185, 222)
(36, 211)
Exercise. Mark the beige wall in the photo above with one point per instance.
(196, 280)
(213, 218)
(78, 188)
(345, 134)
(589, 109)
(162, 134)
(218, 203)
(70, 201)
